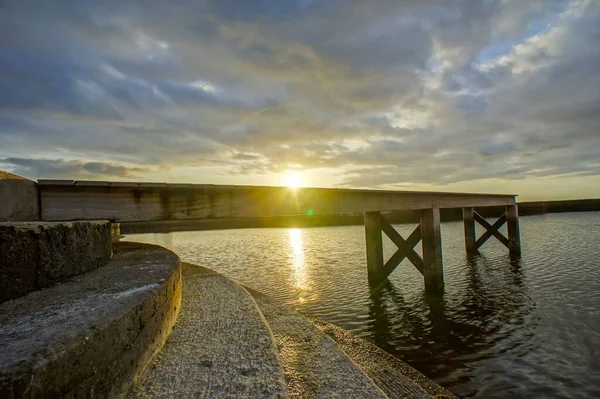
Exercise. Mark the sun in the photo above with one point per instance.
(293, 180)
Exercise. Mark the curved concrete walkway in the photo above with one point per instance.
(221, 346)
(102, 334)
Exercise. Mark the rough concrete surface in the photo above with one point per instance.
(18, 198)
(221, 346)
(396, 378)
(90, 336)
(315, 367)
(34, 255)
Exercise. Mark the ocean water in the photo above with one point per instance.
(527, 327)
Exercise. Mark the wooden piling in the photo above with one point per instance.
(512, 226)
(374, 246)
(433, 267)
(470, 234)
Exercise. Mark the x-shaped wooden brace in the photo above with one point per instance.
(405, 248)
(491, 230)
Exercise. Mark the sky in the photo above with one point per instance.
(443, 95)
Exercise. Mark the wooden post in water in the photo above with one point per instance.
(374, 246)
(433, 267)
(512, 226)
(470, 237)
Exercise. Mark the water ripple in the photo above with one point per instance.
(505, 327)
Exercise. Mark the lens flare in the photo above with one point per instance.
(293, 180)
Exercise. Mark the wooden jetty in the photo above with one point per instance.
(61, 200)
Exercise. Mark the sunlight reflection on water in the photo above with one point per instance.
(505, 327)
(298, 266)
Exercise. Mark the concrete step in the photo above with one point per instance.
(92, 335)
(396, 378)
(315, 366)
(34, 255)
(221, 346)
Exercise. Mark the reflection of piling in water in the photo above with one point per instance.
(448, 331)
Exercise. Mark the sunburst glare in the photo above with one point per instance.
(293, 180)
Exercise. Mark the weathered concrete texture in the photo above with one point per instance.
(130, 201)
(93, 335)
(221, 346)
(18, 198)
(315, 367)
(396, 378)
(34, 255)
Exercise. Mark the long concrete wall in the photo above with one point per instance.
(121, 202)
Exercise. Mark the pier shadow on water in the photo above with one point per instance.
(442, 336)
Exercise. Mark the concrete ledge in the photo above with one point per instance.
(18, 198)
(91, 336)
(34, 255)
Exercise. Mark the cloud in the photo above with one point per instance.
(71, 169)
(387, 92)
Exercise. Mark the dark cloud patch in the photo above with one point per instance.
(67, 169)
(497, 147)
(265, 9)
